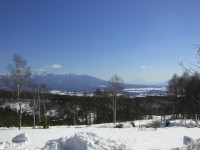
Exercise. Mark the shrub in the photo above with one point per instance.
(132, 123)
(167, 123)
(45, 127)
(119, 125)
(154, 124)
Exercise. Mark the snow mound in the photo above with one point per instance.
(2, 143)
(21, 138)
(189, 144)
(83, 141)
(16, 146)
(19, 142)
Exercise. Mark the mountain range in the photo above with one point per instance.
(69, 82)
(74, 82)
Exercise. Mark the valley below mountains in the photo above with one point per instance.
(79, 83)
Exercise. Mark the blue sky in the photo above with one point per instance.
(131, 38)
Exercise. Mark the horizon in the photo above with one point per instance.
(136, 81)
(132, 39)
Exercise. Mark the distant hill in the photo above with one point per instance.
(74, 83)
(69, 82)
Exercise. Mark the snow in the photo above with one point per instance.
(189, 144)
(15, 106)
(58, 92)
(135, 92)
(70, 93)
(103, 137)
(83, 141)
(145, 89)
(148, 91)
(2, 143)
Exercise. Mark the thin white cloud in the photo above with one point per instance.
(144, 67)
(41, 70)
(55, 66)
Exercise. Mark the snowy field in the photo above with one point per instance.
(102, 137)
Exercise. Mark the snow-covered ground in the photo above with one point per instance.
(133, 92)
(149, 91)
(102, 137)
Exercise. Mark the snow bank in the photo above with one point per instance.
(16, 146)
(19, 142)
(21, 138)
(103, 137)
(189, 144)
(2, 143)
(80, 141)
(84, 141)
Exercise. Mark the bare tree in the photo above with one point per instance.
(194, 67)
(17, 79)
(38, 95)
(186, 88)
(194, 71)
(42, 88)
(34, 91)
(116, 85)
(41, 100)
